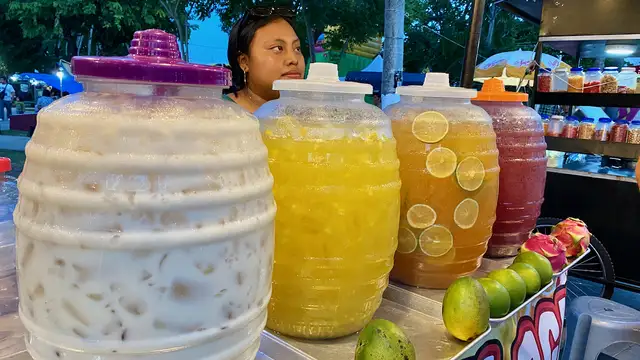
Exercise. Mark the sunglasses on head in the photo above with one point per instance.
(269, 11)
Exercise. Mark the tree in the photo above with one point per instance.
(75, 27)
(437, 32)
(351, 22)
(17, 53)
(181, 12)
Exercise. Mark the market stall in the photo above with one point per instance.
(130, 247)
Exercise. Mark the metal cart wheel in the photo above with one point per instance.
(593, 275)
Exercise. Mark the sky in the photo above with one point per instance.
(208, 44)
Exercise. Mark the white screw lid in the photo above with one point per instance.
(437, 85)
(323, 77)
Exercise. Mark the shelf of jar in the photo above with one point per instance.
(601, 99)
(594, 147)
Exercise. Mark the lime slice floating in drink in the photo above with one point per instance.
(470, 173)
(466, 213)
(421, 216)
(441, 162)
(430, 127)
(436, 241)
(407, 242)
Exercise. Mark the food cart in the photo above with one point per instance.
(533, 330)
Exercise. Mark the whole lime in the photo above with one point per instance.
(513, 283)
(499, 299)
(465, 309)
(382, 339)
(539, 262)
(530, 276)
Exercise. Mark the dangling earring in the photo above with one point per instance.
(245, 79)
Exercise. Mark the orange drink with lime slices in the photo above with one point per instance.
(337, 188)
(449, 171)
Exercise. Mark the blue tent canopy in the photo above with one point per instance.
(69, 84)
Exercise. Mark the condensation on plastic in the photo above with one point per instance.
(333, 158)
(144, 226)
(523, 172)
(470, 134)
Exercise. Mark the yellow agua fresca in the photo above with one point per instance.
(338, 197)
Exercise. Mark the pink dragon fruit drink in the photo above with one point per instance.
(523, 166)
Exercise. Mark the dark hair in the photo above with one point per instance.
(242, 35)
(46, 92)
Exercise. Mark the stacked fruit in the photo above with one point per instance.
(568, 239)
(469, 303)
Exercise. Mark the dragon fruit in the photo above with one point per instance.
(549, 247)
(574, 235)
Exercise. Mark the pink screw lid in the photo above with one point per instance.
(154, 56)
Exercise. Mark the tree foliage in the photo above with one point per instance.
(437, 32)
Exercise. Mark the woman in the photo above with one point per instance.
(263, 48)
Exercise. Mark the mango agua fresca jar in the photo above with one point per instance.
(449, 171)
(337, 187)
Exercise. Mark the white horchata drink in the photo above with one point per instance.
(145, 222)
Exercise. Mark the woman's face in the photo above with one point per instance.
(274, 54)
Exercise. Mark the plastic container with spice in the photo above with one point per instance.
(587, 129)
(545, 123)
(592, 81)
(609, 80)
(633, 135)
(560, 81)
(602, 129)
(576, 80)
(627, 81)
(544, 80)
(618, 131)
(570, 128)
(555, 126)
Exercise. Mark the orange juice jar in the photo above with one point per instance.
(449, 171)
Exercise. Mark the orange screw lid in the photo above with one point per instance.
(493, 90)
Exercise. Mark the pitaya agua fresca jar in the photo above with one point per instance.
(449, 171)
(523, 166)
(145, 218)
(333, 159)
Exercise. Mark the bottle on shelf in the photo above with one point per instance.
(560, 81)
(633, 135)
(576, 80)
(602, 129)
(544, 80)
(619, 131)
(592, 81)
(556, 124)
(570, 128)
(609, 80)
(627, 80)
(587, 129)
(545, 123)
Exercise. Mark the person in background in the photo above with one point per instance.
(7, 94)
(43, 100)
(263, 47)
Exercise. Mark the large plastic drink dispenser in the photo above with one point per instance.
(145, 219)
(333, 159)
(523, 166)
(8, 201)
(449, 171)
